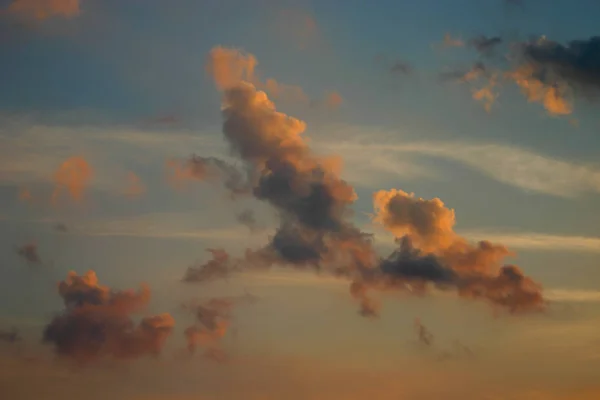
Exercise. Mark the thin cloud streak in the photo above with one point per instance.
(369, 154)
(540, 241)
(516, 240)
(510, 165)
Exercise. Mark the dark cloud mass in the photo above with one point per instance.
(97, 322)
(576, 63)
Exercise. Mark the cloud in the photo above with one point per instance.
(577, 63)
(218, 267)
(43, 9)
(539, 241)
(431, 251)
(213, 320)
(486, 94)
(72, 177)
(167, 225)
(96, 322)
(229, 66)
(305, 189)
(428, 222)
(485, 45)
(572, 295)
(554, 97)
(315, 231)
(514, 166)
(476, 74)
(29, 252)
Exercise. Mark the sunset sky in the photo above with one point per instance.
(135, 136)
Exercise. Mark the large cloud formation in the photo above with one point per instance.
(314, 205)
(97, 322)
(431, 252)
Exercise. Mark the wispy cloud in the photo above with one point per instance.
(164, 225)
(511, 165)
(539, 241)
(28, 153)
(514, 240)
(572, 295)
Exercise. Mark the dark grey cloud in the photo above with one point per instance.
(577, 63)
(97, 322)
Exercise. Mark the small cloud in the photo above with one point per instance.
(333, 100)
(449, 41)
(44, 9)
(29, 252)
(72, 177)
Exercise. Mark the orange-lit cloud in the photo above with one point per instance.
(429, 222)
(315, 230)
(284, 92)
(432, 251)
(43, 9)
(135, 187)
(486, 94)
(72, 177)
(230, 66)
(554, 97)
(96, 322)
(333, 100)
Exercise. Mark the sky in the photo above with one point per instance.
(316, 199)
